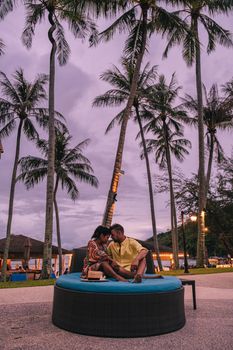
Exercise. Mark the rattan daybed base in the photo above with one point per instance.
(117, 314)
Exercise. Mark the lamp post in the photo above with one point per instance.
(186, 270)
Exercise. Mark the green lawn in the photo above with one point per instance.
(50, 282)
(28, 283)
(201, 271)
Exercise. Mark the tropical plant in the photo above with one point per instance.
(70, 166)
(80, 25)
(196, 13)
(217, 114)
(19, 109)
(164, 123)
(121, 82)
(141, 19)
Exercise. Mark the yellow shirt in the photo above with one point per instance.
(123, 254)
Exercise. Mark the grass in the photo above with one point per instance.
(50, 282)
(200, 271)
(29, 283)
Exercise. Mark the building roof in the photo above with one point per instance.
(20, 242)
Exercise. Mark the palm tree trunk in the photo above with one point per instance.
(210, 162)
(47, 253)
(174, 231)
(201, 169)
(152, 208)
(11, 202)
(107, 219)
(58, 227)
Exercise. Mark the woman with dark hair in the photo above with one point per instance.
(97, 258)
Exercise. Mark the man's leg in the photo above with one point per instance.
(131, 274)
(140, 271)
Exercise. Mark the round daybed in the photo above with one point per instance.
(118, 309)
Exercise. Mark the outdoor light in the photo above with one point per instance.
(193, 217)
(184, 244)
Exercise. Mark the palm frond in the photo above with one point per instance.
(32, 177)
(124, 23)
(6, 6)
(134, 42)
(112, 97)
(2, 47)
(69, 184)
(8, 89)
(35, 13)
(8, 128)
(216, 33)
(63, 49)
(30, 130)
(117, 119)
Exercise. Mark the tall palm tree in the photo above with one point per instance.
(217, 114)
(164, 119)
(196, 13)
(80, 25)
(121, 82)
(19, 109)
(141, 19)
(70, 166)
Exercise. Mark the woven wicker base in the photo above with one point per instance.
(118, 315)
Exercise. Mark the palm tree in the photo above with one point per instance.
(80, 25)
(121, 81)
(70, 165)
(20, 103)
(164, 117)
(195, 12)
(217, 114)
(141, 19)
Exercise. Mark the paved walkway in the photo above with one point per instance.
(26, 321)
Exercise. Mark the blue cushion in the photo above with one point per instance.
(17, 277)
(72, 281)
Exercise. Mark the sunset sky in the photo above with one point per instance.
(77, 84)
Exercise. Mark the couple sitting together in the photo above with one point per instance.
(122, 259)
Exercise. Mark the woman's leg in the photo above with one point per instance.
(108, 270)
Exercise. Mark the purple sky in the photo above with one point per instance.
(77, 84)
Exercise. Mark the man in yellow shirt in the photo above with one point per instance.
(128, 255)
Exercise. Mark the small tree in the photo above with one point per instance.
(164, 122)
(70, 166)
(19, 109)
